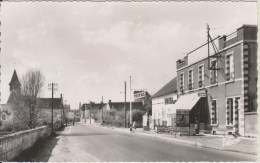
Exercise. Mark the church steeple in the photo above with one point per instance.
(15, 84)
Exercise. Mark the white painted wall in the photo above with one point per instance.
(161, 111)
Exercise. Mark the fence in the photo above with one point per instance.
(12, 145)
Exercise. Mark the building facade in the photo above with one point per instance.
(163, 112)
(43, 105)
(227, 83)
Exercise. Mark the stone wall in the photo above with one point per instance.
(12, 145)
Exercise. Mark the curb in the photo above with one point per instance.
(173, 139)
(181, 141)
(160, 137)
(230, 150)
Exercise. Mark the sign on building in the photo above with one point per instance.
(202, 94)
(139, 94)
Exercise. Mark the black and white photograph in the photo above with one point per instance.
(129, 81)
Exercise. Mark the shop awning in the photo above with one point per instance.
(187, 101)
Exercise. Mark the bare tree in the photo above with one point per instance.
(28, 114)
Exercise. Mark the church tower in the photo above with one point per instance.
(15, 84)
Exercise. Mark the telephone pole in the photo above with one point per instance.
(130, 104)
(51, 87)
(102, 110)
(125, 104)
(91, 104)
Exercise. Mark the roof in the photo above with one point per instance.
(120, 105)
(46, 103)
(182, 103)
(14, 97)
(14, 80)
(169, 88)
(95, 106)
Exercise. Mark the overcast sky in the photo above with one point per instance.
(90, 49)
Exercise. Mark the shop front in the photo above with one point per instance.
(192, 114)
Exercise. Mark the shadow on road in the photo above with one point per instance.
(41, 150)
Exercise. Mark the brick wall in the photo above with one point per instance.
(12, 145)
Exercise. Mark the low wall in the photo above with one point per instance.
(12, 145)
(251, 124)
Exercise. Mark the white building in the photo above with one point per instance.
(163, 101)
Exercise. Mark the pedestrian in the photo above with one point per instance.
(134, 126)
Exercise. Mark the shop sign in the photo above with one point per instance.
(202, 94)
(138, 95)
(182, 117)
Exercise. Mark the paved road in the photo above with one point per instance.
(92, 143)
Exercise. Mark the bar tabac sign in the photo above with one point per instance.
(139, 94)
(182, 117)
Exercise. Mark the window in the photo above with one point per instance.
(230, 67)
(213, 72)
(201, 76)
(232, 110)
(229, 111)
(214, 113)
(164, 123)
(191, 79)
(182, 82)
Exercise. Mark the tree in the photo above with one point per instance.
(28, 114)
(148, 108)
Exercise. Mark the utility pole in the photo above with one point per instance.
(130, 104)
(91, 104)
(102, 109)
(51, 87)
(209, 66)
(61, 124)
(125, 104)
(85, 109)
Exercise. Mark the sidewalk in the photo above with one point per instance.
(228, 143)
